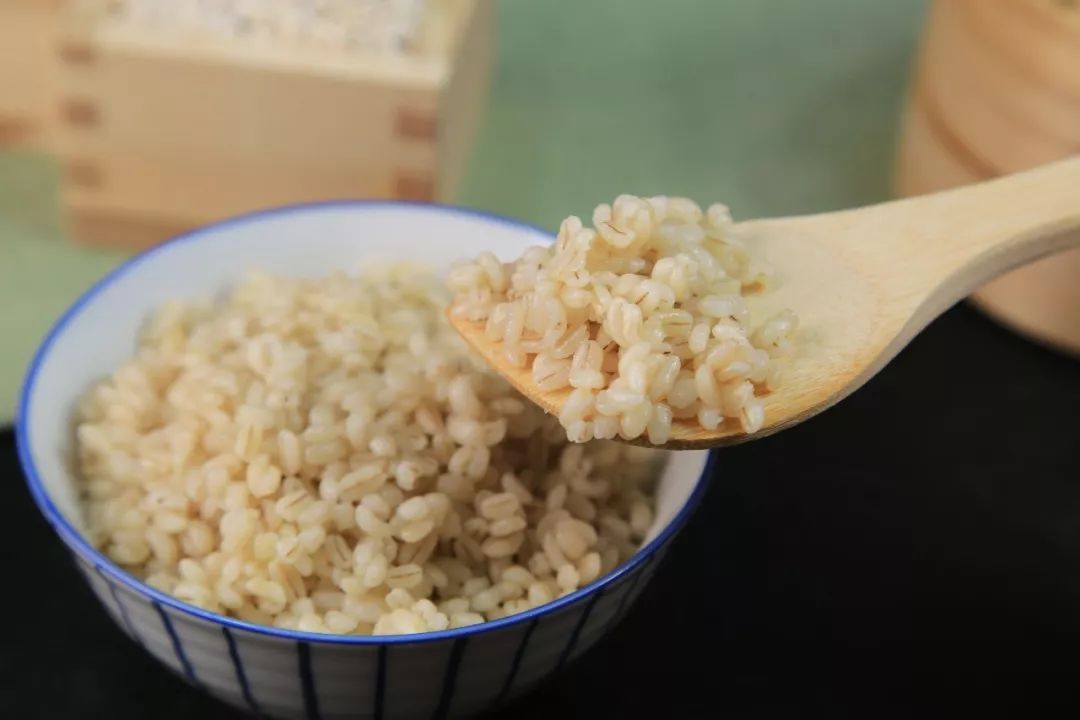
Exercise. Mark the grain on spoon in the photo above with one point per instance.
(864, 282)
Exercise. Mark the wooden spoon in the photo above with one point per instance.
(864, 282)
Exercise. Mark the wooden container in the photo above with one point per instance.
(997, 90)
(28, 70)
(158, 135)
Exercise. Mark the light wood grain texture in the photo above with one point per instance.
(864, 282)
(158, 126)
(464, 99)
(201, 190)
(29, 70)
(997, 90)
(987, 72)
(1040, 300)
(120, 229)
(926, 161)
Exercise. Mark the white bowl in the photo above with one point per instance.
(286, 673)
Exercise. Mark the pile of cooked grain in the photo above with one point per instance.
(642, 316)
(323, 455)
(340, 26)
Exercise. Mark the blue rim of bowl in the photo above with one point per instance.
(76, 542)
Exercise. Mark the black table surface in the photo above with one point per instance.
(912, 551)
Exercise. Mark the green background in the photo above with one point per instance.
(772, 106)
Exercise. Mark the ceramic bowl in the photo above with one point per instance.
(284, 673)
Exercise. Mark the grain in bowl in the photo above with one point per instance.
(325, 456)
(285, 672)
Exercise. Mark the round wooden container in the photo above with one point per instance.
(997, 90)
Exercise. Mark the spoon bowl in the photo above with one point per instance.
(864, 282)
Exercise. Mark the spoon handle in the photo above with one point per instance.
(926, 253)
(971, 235)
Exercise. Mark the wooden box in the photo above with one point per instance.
(28, 69)
(994, 92)
(158, 136)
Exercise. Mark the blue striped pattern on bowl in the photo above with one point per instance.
(424, 678)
